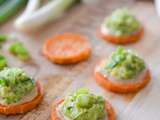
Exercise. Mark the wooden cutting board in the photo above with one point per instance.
(59, 80)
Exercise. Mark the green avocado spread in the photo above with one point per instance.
(121, 22)
(14, 85)
(82, 105)
(124, 64)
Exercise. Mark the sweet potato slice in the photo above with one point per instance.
(122, 39)
(22, 108)
(67, 48)
(109, 110)
(108, 84)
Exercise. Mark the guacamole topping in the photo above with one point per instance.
(124, 65)
(14, 85)
(82, 105)
(121, 22)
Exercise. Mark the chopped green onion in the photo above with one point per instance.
(3, 62)
(3, 38)
(19, 51)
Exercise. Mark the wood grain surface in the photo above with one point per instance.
(60, 80)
